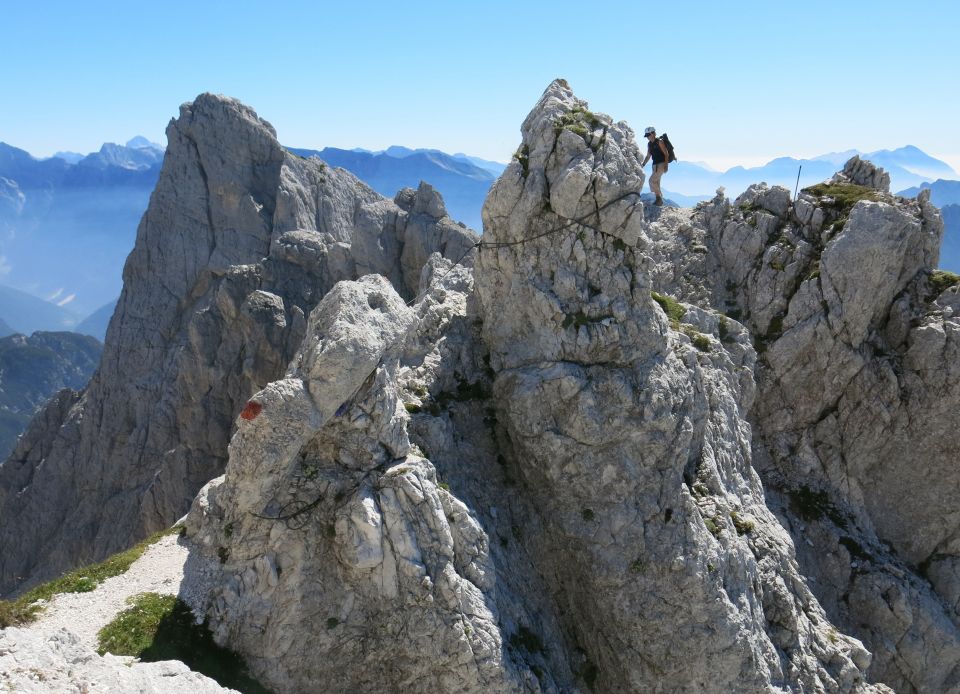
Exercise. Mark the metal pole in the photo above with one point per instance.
(797, 187)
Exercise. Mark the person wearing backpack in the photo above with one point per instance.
(657, 150)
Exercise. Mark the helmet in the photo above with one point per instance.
(650, 131)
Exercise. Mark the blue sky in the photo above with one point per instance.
(731, 82)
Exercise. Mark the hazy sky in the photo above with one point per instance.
(730, 82)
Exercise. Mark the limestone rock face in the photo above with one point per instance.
(330, 522)
(33, 664)
(631, 438)
(240, 241)
(857, 393)
(612, 449)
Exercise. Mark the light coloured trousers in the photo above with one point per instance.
(658, 171)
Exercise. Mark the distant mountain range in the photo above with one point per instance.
(68, 222)
(950, 250)
(908, 166)
(32, 369)
(24, 313)
(66, 228)
(463, 181)
(942, 192)
(945, 194)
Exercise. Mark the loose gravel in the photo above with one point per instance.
(57, 653)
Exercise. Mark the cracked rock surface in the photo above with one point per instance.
(240, 241)
(614, 449)
(857, 396)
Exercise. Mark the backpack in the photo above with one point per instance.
(666, 142)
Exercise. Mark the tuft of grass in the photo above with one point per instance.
(775, 328)
(674, 310)
(162, 627)
(438, 404)
(813, 505)
(24, 609)
(940, 281)
(723, 329)
(713, 526)
(701, 342)
(743, 525)
(843, 196)
(522, 155)
(855, 549)
(580, 318)
(577, 120)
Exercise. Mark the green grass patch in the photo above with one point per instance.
(855, 549)
(579, 319)
(940, 281)
(83, 580)
(577, 120)
(723, 329)
(699, 340)
(437, 404)
(743, 525)
(674, 310)
(162, 627)
(844, 195)
(813, 505)
(713, 526)
(522, 155)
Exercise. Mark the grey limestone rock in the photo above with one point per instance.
(330, 522)
(603, 452)
(856, 395)
(240, 241)
(34, 664)
(630, 433)
(863, 173)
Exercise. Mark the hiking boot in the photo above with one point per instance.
(658, 201)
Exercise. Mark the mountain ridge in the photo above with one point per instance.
(677, 431)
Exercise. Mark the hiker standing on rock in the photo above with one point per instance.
(657, 151)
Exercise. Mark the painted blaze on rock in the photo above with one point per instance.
(251, 410)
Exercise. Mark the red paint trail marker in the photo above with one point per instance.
(251, 411)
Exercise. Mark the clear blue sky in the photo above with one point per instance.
(730, 82)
